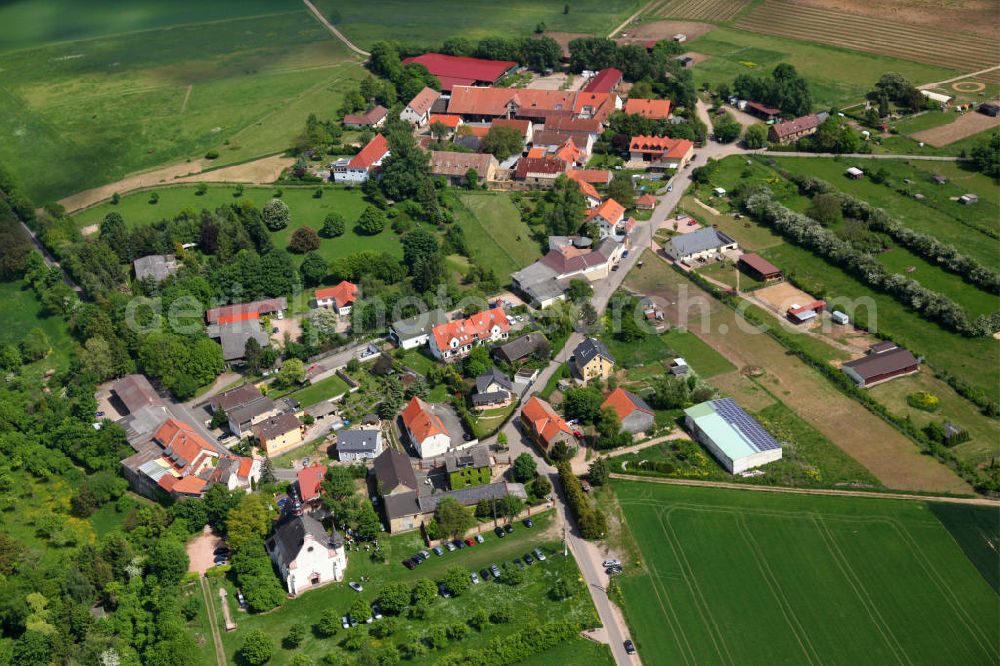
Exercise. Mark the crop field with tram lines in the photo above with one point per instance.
(703, 10)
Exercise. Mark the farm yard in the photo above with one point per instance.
(111, 105)
(432, 22)
(788, 18)
(740, 577)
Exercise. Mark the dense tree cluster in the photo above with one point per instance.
(893, 87)
(591, 520)
(784, 89)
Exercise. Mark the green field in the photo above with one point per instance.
(924, 121)
(306, 210)
(737, 577)
(657, 349)
(530, 599)
(836, 76)
(21, 313)
(496, 233)
(76, 114)
(431, 22)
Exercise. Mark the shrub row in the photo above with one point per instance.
(592, 521)
(802, 230)
(515, 647)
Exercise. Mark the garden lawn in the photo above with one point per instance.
(924, 121)
(496, 235)
(752, 578)
(705, 361)
(323, 390)
(306, 210)
(417, 360)
(836, 76)
(530, 600)
(21, 313)
(239, 78)
(431, 22)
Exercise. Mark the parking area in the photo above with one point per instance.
(201, 550)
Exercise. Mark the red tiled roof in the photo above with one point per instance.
(564, 124)
(370, 154)
(598, 176)
(568, 152)
(759, 264)
(421, 421)
(478, 326)
(469, 100)
(624, 403)
(670, 148)
(370, 118)
(656, 109)
(544, 421)
(536, 153)
(789, 127)
(446, 119)
(541, 165)
(188, 485)
(460, 67)
(766, 110)
(213, 315)
(423, 101)
(815, 305)
(646, 200)
(605, 81)
(610, 210)
(246, 465)
(238, 316)
(183, 441)
(343, 294)
(587, 189)
(310, 479)
(521, 126)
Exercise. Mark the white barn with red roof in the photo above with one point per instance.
(340, 298)
(455, 339)
(418, 111)
(359, 168)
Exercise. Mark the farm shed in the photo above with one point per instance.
(731, 435)
(840, 318)
(989, 109)
(800, 314)
(854, 173)
(760, 268)
(883, 362)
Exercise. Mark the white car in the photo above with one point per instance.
(611, 563)
(475, 578)
(355, 586)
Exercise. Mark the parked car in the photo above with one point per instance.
(611, 571)
(610, 563)
(459, 543)
(438, 551)
(508, 528)
(353, 621)
(450, 546)
(470, 542)
(222, 437)
(475, 578)
(485, 574)
(528, 522)
(539, 554)
(425, 554)
(409, 564)
(443, 591)
(629, 646)
(495, 570)
(98, 414)
(376, 612)
(355, 586)
(499, 532)
(480, 539)
(625, 254)
(220, 560)
(528, 559)
(344, 622)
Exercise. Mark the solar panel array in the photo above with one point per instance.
(736, 417)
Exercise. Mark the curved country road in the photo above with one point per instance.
(336, 33)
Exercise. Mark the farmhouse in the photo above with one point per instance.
(881, 363)
(800, 314)
(544, 425)
(646, 202)
(309, 479)
(362, 166)
(559, 141)
(545, 281)
(353, 445)
(654, 109)
(633, 412)
(233, 335)
(415, 331)
(455, 166)
(448, 120)
(592, 360)
(732, 435)
(791, 131)
(610, 219)
(542, 106)
(373, 118)
(589, 192)
(453, 340)
(759, 268)
(340, 298)
(157, 267)
(493, 389)
(605, 81)
(539, 170)
(393, 473)
(304, 553)
(244, 406)
(521, 348)
(278, 433)
(418, 111)
(661, 152)
(454, 71)
(699, 245)
(254, 309)
(426, 430)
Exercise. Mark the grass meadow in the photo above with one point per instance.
(21, 313)
(837, 77)
(737, 577)
(431, 22)
(234, 77)
(496, 233)
(530, 599)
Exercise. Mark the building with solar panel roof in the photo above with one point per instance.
(732, 435)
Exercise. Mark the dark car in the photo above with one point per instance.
(221, 550)
(485, 574)
(443, 591)
(528, 559)
(459, 543)
(528, 522)
(221, 559)
(629, 646)
(508, 528)
(409, 564)
(499, 532)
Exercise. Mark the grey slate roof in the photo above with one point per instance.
(700, 240)
(474, 457)
(249, 410)
(493, 376)
(393, 469)
(276, 426)
(135, 392)
(233, 398)
(419, 324)
(589, 349)
(490, 397)
(403, 504)
(290, 532)
(156, 266)
(473, 494)
(520, 347)
(234, 336)
(358, 441)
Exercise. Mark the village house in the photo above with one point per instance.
(699, 245)
(661, 152)
(493, 390)
(525, 127)
(364, 165)
(418, 111)
(455, 339)
(791, 131)
(653, 109)
(610, 220)
(646, 202)
(448, 120)
(362, 444)
(309, 480)
(633, 413)
(373, 118)
(277, 434)
(425, 429)
(306, 555)
(541, 171)
(555, 141)
(592, 360)
(396, 485)
(589, 192)
(605, 81)
(244, 406)
(545, 281)
(455, 166)
(157, 267)
(544, 425)
(415, 331)
(521, 348)
(339, 298)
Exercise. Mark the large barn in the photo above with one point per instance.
(732, 435)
